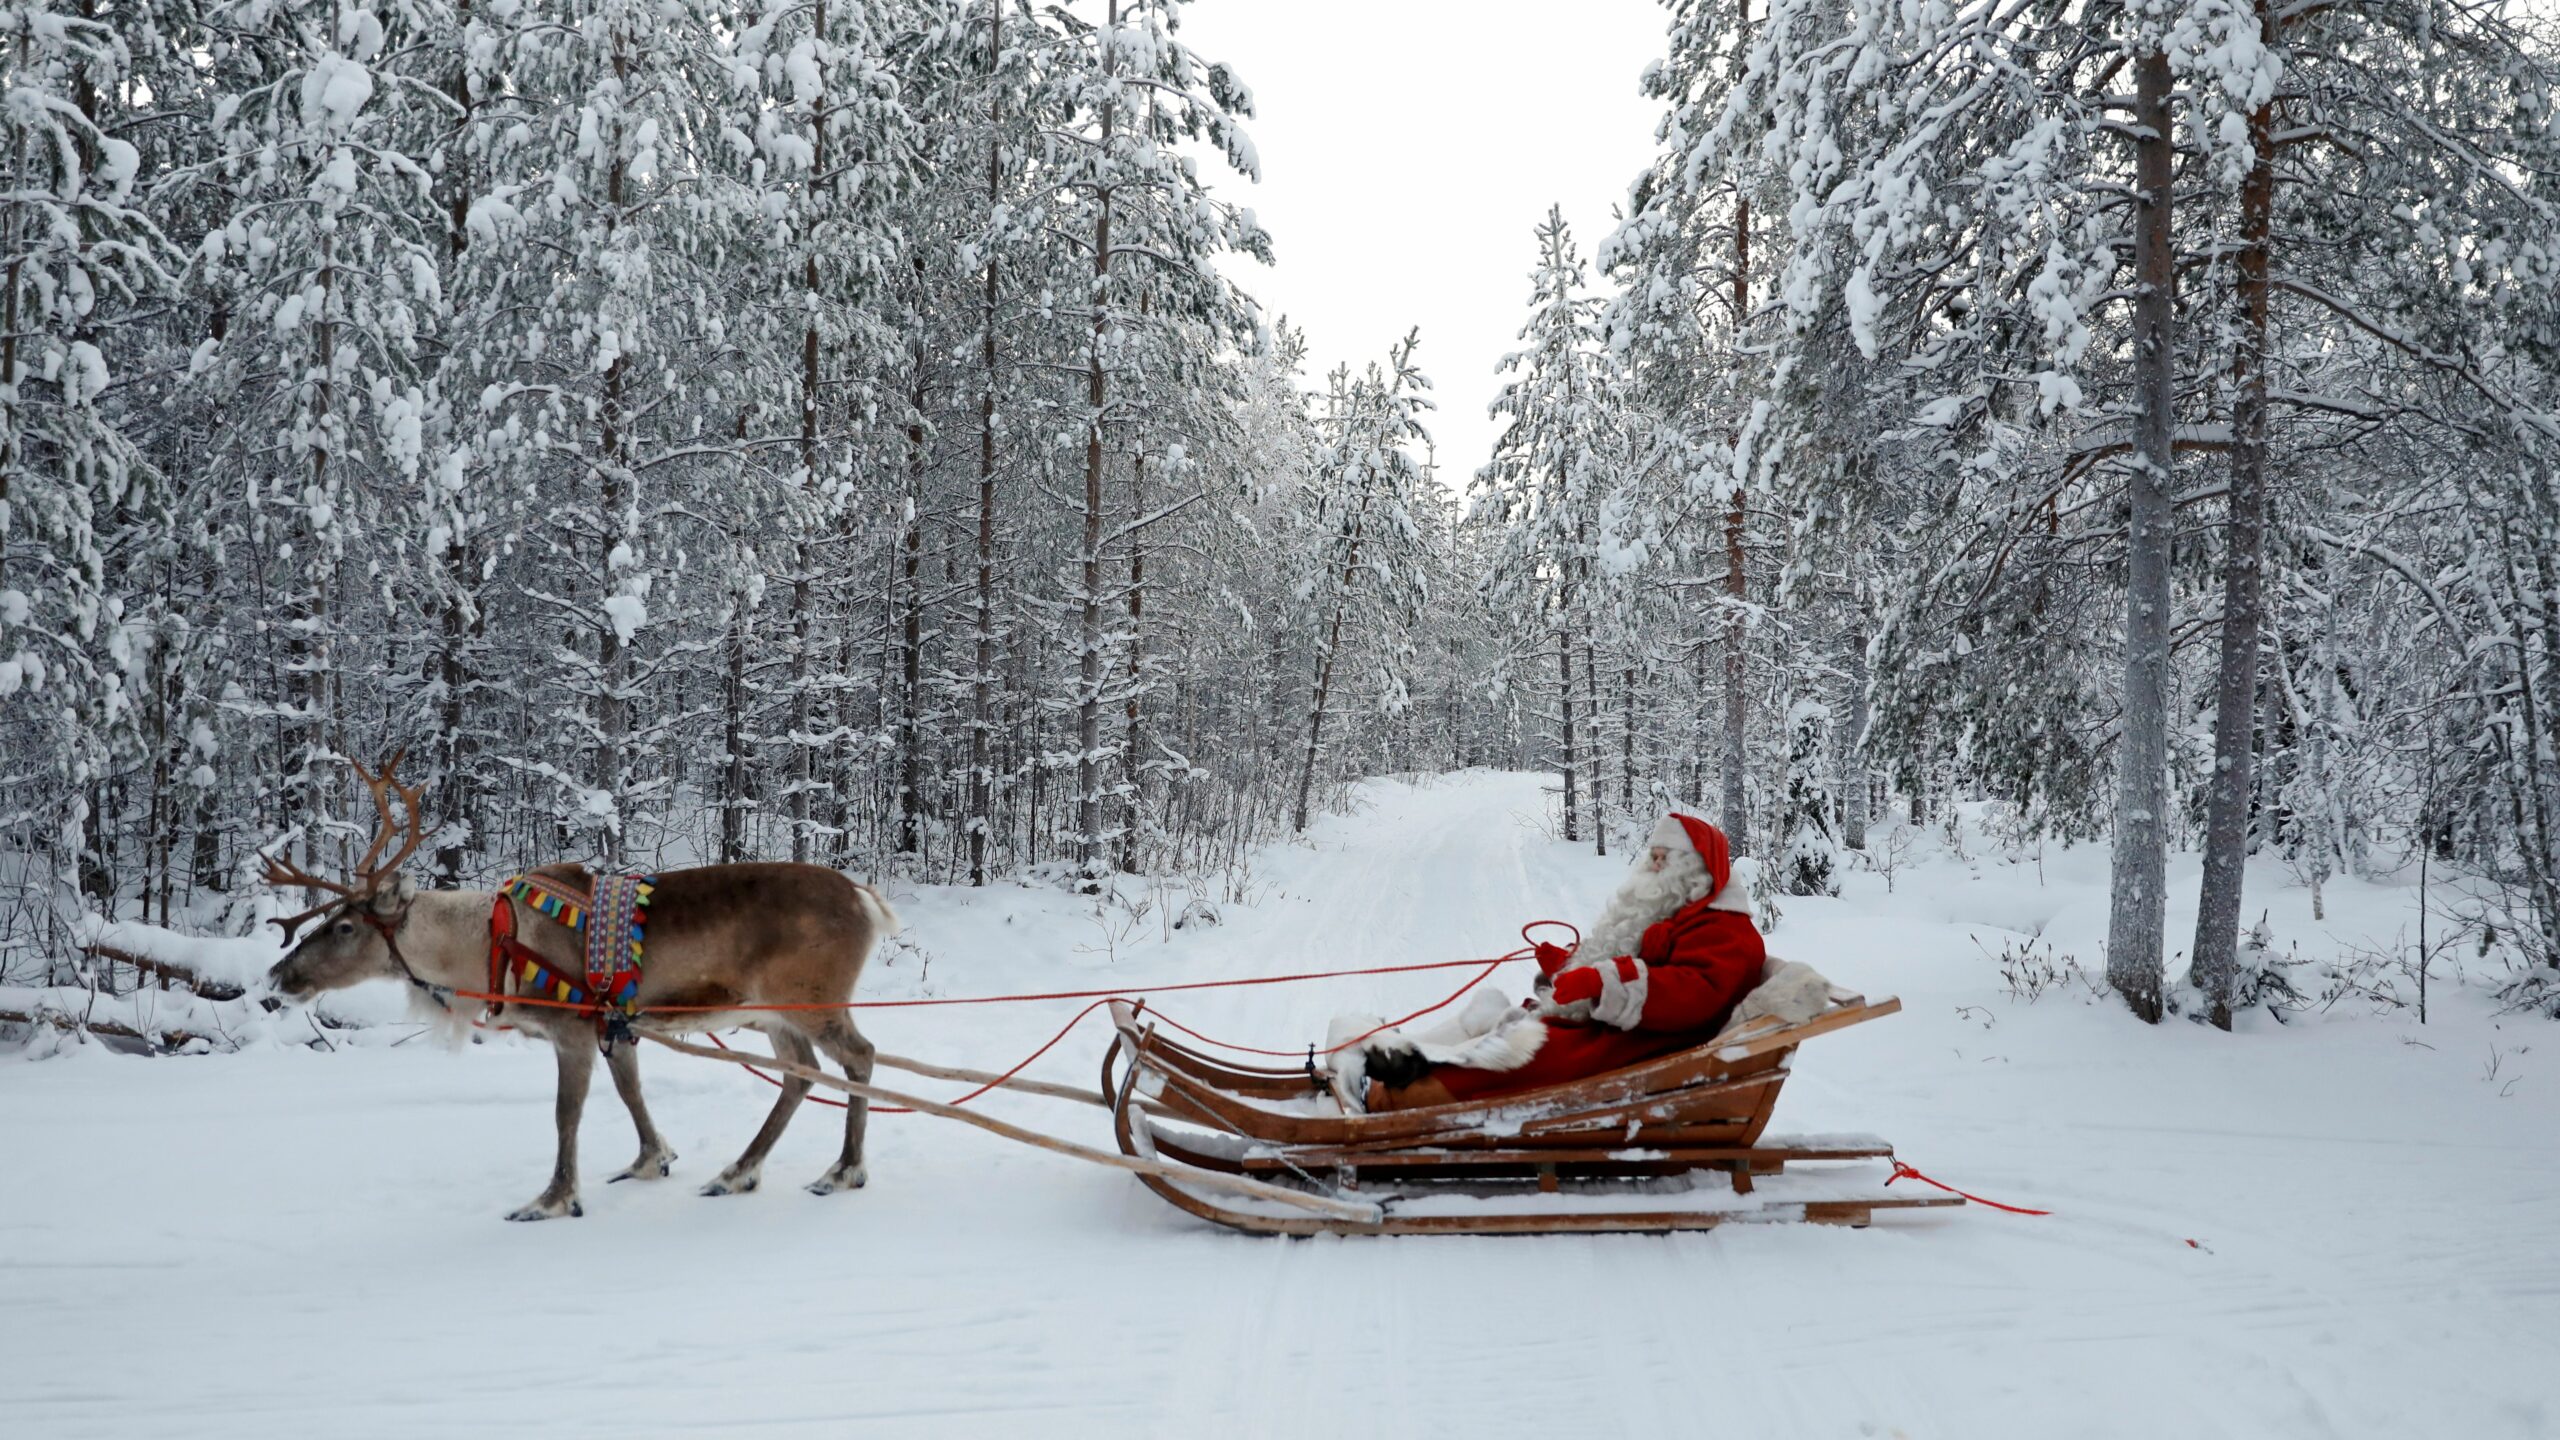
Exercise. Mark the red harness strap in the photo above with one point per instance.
(505, 950)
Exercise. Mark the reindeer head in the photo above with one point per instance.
(353, 941)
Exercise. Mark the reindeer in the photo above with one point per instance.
(719, 936)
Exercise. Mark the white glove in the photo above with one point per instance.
(1611, 992)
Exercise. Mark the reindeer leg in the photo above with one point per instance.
(656, 1158)
(577, 1055)
(746, 1172)
(841, 1040)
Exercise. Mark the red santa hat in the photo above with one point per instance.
(1687, 832)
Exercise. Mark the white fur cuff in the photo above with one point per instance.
(1621, 1002)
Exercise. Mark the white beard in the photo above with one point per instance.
(1644, 897)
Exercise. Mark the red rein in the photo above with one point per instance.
(1101, 998)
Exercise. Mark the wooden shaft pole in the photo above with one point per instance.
(1260, 1190)
(989, 1077)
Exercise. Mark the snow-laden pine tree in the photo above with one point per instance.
(323, 269)
(83, 263)
(622, 204)
(1809, 862)
(1368, 572)
(485, 420)
(1139, 96)
(1551, 490)
(1691, 324)
(834, 148)
(2037, 356)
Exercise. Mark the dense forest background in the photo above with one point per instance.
(836, 431)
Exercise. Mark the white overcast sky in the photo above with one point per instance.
(1409, 149)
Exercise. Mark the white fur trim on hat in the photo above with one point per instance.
(1669, 834)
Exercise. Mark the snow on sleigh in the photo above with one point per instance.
(1674, 1143)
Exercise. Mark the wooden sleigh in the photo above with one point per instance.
(1676, 1143)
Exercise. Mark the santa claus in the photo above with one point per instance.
(1661, 969)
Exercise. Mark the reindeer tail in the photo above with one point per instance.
(884, 920)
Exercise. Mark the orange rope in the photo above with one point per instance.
(1486, 974)
(1104, 997)
(588, 1007)
(1019, 1066)
(1905, 1172)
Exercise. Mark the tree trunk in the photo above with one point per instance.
(1853, 746)
(911, 631)
(1324, 672)
(803, 767)
(9, 392)
(1564, 690)
(461, 620)
(1133, 737)
(613, 465)
(1736, 823)
(1627, 742)
(610, 661)
(982, 662)
(803, 757)
(2135, 966)
(2226, 839)
(1089, 625)
(733, 734)
(1591, 707)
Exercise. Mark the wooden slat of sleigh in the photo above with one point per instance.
(1631, 1089)
(1691, 1114)
(1678, 1087)
(1735, 1102)
(1676, 1156)
(1293, 1080)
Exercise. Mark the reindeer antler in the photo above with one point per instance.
(284, 876)
(369, 876)
(383, 786)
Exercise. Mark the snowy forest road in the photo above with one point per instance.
(288, 1242)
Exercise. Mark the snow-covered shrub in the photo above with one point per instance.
(1887, 850)
(2030, 968)
(2537, 990)
(1810, 862)
(1757, 882)
(2260, 979)
(1951, 831)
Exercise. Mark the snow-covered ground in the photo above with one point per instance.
(288, 1242)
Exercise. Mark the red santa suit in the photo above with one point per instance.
(1687, 973)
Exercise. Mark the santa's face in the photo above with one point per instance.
(1662, 880)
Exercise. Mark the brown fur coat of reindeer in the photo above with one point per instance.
(719, 936)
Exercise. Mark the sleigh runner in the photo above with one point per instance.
(1675, 1143)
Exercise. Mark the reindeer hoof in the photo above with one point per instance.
(733, 1185)
(835, 1180)
(646, 1168)
(547, 1210)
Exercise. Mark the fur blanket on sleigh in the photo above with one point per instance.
(1490, 1032)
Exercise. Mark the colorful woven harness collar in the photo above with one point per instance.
(612, 920)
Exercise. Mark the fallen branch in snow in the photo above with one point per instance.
(1259, 1189)
(157, 1039)
(165, 971)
